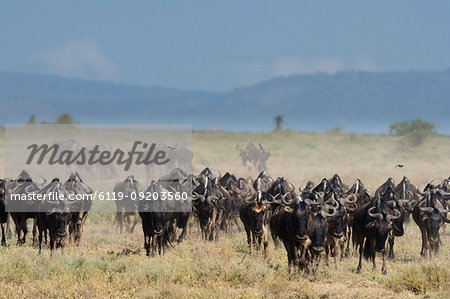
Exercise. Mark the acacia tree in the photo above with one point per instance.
(415, 131)
(278, 122)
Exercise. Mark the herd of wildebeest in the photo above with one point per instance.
(318, 218)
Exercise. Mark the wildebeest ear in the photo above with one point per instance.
(370, 224)
(424, 217)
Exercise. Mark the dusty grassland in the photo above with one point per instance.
(108, 264)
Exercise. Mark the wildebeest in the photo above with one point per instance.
(81, 206)
(371, 226)
(3, 213)
(321, 211)
(293, 223)
(208, 206)
(156, 220)
(53, 216)
(254, 216)
(430, 214)
(255, 156)
(338, 224)
(126, 207)
(24, 185)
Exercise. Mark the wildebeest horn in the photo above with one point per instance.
(425, 209)
(374, 215)
(291, 187)
(326, 214)
(442, 211)
(212, 198)
(392, 203)
(27, 187)
(443, 193)
(445, 218)
(250, 199)
(283, 200)
(309, 202)
(390, 217)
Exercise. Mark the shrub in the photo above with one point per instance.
(415, 131)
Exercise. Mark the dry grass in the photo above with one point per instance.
(108, 264)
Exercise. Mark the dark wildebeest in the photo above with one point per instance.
(208, 207)
(255, 156)
(371, 225)
(126, 207)
(156, 220)
(405, 197)
(321, 211)
(3, 213)
(23, 185)
(177, 181)
(256, 220)
(338, 224)
(293, 223)
(53, 216)
(429, 214)
(75, 186)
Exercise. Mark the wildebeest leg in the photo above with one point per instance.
(358, 270)
(8, 227)
(3, 234)
(34, 230)
(52, 242)
(40, 240)
(249, 240)
(23, 226)
(383, 268)
(302, 257)
(266, 240)
(347, 249)
(336, 251)
(153, 241)
(147, 244)
(391, 245)
(327, 250)
(289, 251)
(425, 243)
(119, 218)
(237, 224)
(134, 222)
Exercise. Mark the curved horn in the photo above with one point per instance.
(390, 217)
(374, 215)
(283, 199)
(326, 214)
(424, 209)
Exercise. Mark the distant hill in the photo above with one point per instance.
(364, 102)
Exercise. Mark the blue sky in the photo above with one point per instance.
(219, 45)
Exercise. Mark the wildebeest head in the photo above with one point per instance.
(380, 218)
(258, 205)
(204, 208)
(433, 215)
(57, 211)
(301, 217)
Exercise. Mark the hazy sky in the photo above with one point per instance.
(218, 45)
